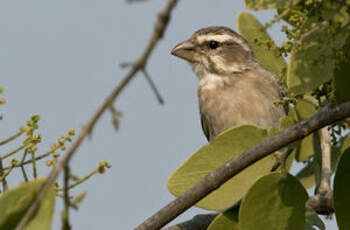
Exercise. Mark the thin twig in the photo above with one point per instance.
(19, 133)
(215, 179)
(13, 151)
(22, 166)
(148, 78)
(277, 18)
(35, 175)
(161, 25)
(80, 181)
(4, 175)
(66, 201)
(30, 161)
(153, 86)
(4, 182)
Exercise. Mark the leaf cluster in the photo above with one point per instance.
(313, 64)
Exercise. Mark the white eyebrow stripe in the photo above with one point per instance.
(215, 37)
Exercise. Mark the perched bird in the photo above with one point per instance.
(234, 89)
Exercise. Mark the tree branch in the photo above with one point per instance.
(215, 179)
(160, 27)
(198, 222)
(322, 201)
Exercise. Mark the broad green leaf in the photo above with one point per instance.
(342, 191)
(304, 110)
(223, 148)
(267, 4)
(337, 151)
(226, 220)
(284, 123)
(265, 49)
(15, 202)
(311, 63)
(341, 76)
(312, 219)
(43, 218)
(342, 83)
(275, 201)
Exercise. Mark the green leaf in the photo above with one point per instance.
(225, 220)
(43, 218)
(275, 201)
(265, 49)
(15, 202)
(341, 191)
(341, 76)
(267, 4)
(304, 110)
(337, 151)
(312, 219)
(284, 123)
(223, 148)
(311, 62)
(341, 84)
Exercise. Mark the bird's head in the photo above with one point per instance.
(216, 50)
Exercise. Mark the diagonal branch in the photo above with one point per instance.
(160, 27)
(198, 222)
(215, 179)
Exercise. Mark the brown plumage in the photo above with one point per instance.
(234, 89)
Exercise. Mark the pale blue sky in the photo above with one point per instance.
(60, 59)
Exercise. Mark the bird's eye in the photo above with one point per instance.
(213, 44)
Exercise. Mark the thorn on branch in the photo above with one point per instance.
(116, 115)
(126, 64)
(153, 86)
(141, 66)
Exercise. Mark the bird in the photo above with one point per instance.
(234, 88)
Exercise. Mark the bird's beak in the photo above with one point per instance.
(185, 50)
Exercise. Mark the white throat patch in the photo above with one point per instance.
(211, 81)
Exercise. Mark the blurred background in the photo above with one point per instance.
(60, 59)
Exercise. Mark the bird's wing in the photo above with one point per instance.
(205, 127)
